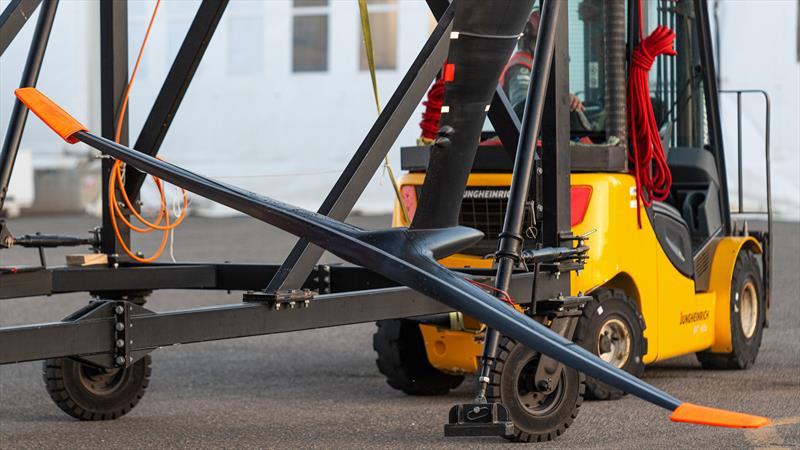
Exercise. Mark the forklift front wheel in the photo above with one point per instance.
(88, 392)
(537, 416)
(747, 312)
(612, 328)
(403, 360)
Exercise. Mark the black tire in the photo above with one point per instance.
(536, 417)
(403, 360)
(608, 316)
(745, 345)
(89, 393)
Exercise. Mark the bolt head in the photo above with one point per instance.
(120, 326)
(120, 360)
(120, 343)
(119, 309)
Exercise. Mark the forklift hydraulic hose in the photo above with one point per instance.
(406, 256)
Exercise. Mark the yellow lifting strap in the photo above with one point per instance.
(365, 29)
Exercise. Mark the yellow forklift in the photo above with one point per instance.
(675, 277)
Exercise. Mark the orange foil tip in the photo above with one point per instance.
(703, 415)
(51, 114)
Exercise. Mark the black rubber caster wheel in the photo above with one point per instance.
(536, 416)
(91, 393)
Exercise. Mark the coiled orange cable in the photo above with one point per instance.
(116, 180)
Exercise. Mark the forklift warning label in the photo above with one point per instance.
(696, 316)
(486, 193)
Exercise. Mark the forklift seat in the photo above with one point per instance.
(673, 235)
(695, 190)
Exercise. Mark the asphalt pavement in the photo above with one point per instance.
(320, 388)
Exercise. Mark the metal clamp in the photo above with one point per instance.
(289, 299)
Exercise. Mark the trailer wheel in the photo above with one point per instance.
(612, 328)
(537, 417)
(404, 362)
(747, 313)
(87, 392)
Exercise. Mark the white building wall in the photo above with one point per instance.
(758, 50)
(279, 133)
(287, 135)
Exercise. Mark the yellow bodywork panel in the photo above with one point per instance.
(455, 352)
(621, 255)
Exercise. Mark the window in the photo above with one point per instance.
(587, 51)
(310, 36)
(246, 44)
(676, 87)
(309, 3)
(383, 25)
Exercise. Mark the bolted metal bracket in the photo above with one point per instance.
(119, 315)
(122, 338)
(289, 299)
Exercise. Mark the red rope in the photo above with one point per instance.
(647, 154)
(433, 110)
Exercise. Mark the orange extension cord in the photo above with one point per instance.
(116, 181)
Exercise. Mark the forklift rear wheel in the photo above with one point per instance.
(88, 392)
(612, 328)
(403, 360)
(747, 313)
(537, 416)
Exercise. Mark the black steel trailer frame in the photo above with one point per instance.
(116, 330)
(332, 295)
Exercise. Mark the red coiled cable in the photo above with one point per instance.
(433, 111)
(647, 154)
